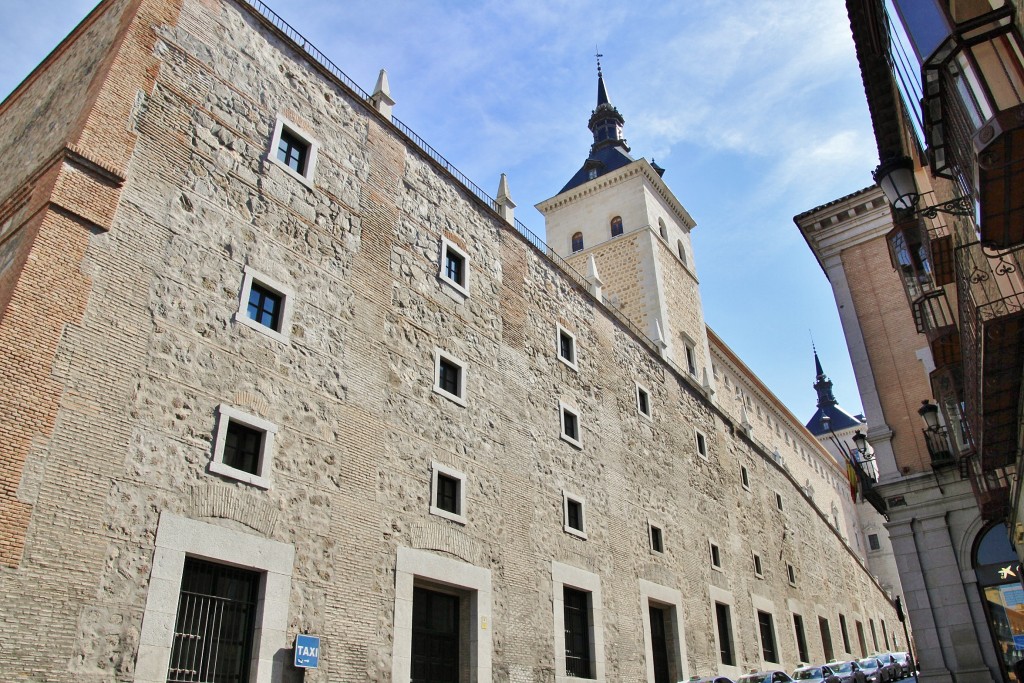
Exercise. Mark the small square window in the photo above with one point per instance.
(758, 571)
(449, 377)
(574, 515)
(791, 571)
(264, 305)
(702, 444)
(570, 425)
(778, 501)
(716, 555)
(454, 266)
(643, 401)
(447, 493)
(873, 543)
(744, 477)
(243, 447)
(657, 542)
(566, 347)
(293, 150)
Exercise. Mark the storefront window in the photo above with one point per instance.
(998, 572)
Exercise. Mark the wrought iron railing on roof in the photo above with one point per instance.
(547, 252)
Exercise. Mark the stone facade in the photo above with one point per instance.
(127, 277)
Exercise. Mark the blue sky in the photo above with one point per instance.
(754, 107)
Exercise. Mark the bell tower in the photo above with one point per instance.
(617, 215)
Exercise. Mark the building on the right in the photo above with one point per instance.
(926, 268)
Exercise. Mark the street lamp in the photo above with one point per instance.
(861, 442)
(935, 434)
(929, 412)
(895, 177)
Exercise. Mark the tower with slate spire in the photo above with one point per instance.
(617, 222)
(830, 418)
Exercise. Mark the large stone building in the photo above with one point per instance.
(271, 367)
(926, 270)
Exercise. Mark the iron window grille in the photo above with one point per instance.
(577, 632)
(767, 628)
(726, 654)
(801, 638)
(215, 624)
(435, 637)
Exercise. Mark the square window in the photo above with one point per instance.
(702, 444)
(657, 542)
(447, 493)
(643, 401)
(758, 570)
(574, 515)
(264, 305)
(744, 477)
(566, 347)
(570, 425)
(243, 447)
(716, 555)
(791, 571)
(449, 377)
(294, 151)
(778, 501)
(454, 266)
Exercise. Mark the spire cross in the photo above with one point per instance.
(598, 55)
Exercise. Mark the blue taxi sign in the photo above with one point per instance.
(307, 651)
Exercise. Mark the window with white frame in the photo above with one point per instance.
(449, 377)
(569, 419)
(243, 447)
(565, 346)
(656, 537)
(716, 555)
(447, 493)
(643, 401)
(758, 568)
(702, 443)
(574, 515)
(294, 150)
(454, 266)
(265, 305)
(791, 572)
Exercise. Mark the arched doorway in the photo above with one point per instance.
(998, 573)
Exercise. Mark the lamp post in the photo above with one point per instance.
(895, 177)
(935, 434)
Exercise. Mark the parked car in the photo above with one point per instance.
(710, 679)
(905, 662)
(891, 665)
(770, 676)
(815, 674)
(848, 671)
(874, 671)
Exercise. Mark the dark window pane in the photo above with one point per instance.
(801, 639)
(448, 494)
(577, 632)
(574, 511)
(264, 306)
(725, 650)
(846, 634)
(616, 226)
(764, 623)
(659, 645)
(571, 426)
(566, 347)
(448, 376)
(994, 547)
(213, 632)
(716, 557)
(826, 637)
(435, 637)
(242, 446)
(925, 23)
(644, 402)
(454, 267)
(577, 242)
(292, 151)
(656, 542)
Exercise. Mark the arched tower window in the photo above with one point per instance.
(577, 242)
(662, 229)
(682, 251)
(616, 226)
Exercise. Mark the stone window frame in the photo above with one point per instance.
(758, 564)
(744, 477)
(778, 501)
(227, 414)
(760, 604)
(791, 574)
(178, 537)
(561, 330)
(640, 391)
(250, 275)
(473, 583)
(437, 469)
(449, 246)
(567, 498)
(313, 150)
(564, 408)
(719, 595)
(459, 398)
(715, 549)
(701, 444)
(670, 600)
(874, 546)
(563, 575)
(652, 527)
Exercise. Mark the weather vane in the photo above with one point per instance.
(597, 53)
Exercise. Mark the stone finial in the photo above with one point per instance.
(659, 338)
(595, 280)
(381, 97)
(709, 388)
(506, 207)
